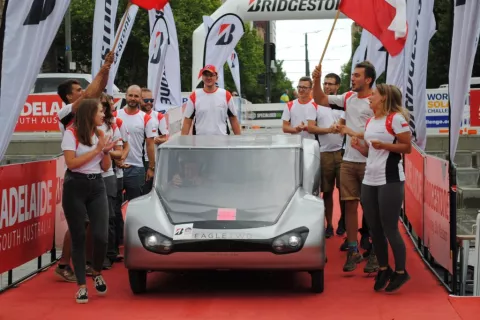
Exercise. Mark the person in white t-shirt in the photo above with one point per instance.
(86, 150)
(294, 114)
(161, 123)
(388, 136)
(112, 127)
(357, 112)
(72, 94)
(143, 130)
(210, 107)
(321, 122)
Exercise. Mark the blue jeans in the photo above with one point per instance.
(133, 181)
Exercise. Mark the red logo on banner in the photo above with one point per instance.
(414, 173)
(475, 108)
(27, 211)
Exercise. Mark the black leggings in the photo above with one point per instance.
(382, 205)
(86, 195)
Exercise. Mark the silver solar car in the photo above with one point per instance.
(229, 202)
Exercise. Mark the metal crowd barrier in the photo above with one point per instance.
(476, 276)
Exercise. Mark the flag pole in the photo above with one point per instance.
(122, 23)
(330, 35)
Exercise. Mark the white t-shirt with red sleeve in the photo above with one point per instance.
(71, 143)
(161, 123)
(295, 112)
(139, 125)
(65, 118)
(114, 133)
(210, 110)
(384, 166)
(325, 118)
(357, 112)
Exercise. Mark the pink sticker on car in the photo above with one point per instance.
(226, 214)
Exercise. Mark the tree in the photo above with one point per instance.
(345, 76)
(133, 68)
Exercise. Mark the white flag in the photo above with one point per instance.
(466, 30)
(129, 18)
(30, 27)
(156, 58)
(376, 54)
(232, 61)
(396, 72)
(221, 40)
(170, 86)
(103, 35)
(361, 51)
(421, 22)
(234, 65)
(208, 22)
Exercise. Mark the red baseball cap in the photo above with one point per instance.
(210, 68)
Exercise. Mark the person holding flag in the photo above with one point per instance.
(357, 112)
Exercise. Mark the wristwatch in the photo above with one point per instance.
(151, 168)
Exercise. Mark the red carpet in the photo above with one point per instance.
(468, 308)
(243, 296)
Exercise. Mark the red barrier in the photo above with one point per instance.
(27, 212)
(437, 211)
(414, 197)
(475, 108)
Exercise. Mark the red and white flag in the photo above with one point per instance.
(150, 4)
(385, 19)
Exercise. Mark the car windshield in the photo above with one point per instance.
(227, 184)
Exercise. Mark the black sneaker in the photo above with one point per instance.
(381, 279)
(365, 242)
(353, 257)
(340, 230)
(329, 232)
(100, 284)
(344, 246)
(107, 264)
(397, 280)
(82, 295)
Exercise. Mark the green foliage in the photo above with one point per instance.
(133, 67)
(345, 76)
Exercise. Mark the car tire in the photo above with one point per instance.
(317, 281)
(138, 281)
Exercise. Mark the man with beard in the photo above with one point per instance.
(357, 112)
(142, 129)
(161, 123)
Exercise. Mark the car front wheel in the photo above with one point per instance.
(317, 281)
(138, 281)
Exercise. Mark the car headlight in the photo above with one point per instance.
(290, 242)
(154, 241)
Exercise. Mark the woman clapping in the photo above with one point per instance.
(86, 151)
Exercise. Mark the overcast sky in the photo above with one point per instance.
(290, 38)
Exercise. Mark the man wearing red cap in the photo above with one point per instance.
(210, 107)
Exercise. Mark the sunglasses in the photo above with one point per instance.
(148, 100)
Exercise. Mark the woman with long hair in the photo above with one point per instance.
(111, 127)
(86, 151)
(387, 136)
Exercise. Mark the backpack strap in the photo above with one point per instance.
(389, 123)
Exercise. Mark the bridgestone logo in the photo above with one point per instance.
(293, 5)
